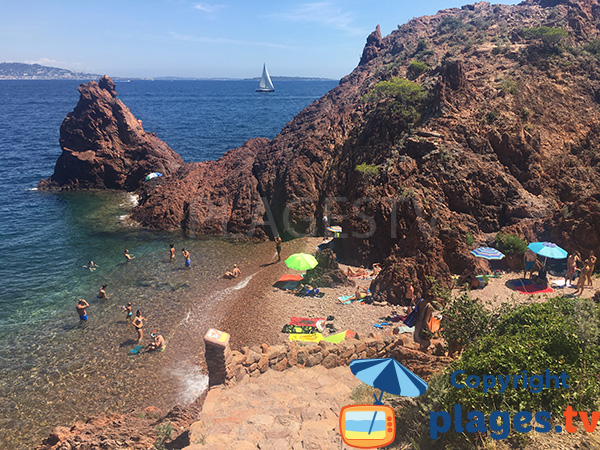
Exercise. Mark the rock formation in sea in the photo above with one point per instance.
(105, 147)
(454, 127)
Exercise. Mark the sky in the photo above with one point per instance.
(206, 39)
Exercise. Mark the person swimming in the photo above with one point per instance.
(91, 266)
(102, 292)
(128, 257)
(172, 252)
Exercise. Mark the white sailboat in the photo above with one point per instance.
(265, 84)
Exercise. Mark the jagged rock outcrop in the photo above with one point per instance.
(105, 147)
(506, 139)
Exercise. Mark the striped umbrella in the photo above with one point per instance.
(487, 253)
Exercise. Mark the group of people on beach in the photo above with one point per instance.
(585, 270)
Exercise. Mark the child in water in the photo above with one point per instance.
(128, 310)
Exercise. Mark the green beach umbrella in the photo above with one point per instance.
(301, 261)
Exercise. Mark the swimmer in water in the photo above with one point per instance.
(91, 266)
(102, 292)
(128, 257)
(81, 305)
(172, 252)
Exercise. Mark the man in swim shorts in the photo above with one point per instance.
(81, 305)
(186, 255)
(529, 260)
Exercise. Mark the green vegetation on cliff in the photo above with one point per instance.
(400, 96)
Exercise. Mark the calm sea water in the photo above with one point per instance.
(53, 369)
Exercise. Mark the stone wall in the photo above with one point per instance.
(256, 360)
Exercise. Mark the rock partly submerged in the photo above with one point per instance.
(105, 147)
(505, 140)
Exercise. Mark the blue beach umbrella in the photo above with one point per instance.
(388, 375)
(487, 253)
(548, 250)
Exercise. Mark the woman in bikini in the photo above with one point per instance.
(138, 324)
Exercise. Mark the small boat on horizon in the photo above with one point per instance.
(265, 85)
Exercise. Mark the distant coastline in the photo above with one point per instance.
(22, 71)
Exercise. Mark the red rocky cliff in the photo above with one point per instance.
(505, 139)
(105, 146)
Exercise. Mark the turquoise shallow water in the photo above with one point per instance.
(52, 369)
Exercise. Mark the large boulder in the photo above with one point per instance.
(105, 147)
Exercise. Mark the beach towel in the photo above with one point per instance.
(315, 337)
(304, 321)
(287, 285)
(527, 287)
(290, 277)
(294, 329)
(405, 329)
(344, 299)
(340, 337)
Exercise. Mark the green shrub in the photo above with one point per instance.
(510, 244)
(401, 96)
(469, 239)
(416, 68)
(421, 45)
(450, 24)
(163, 434)
(464, 320)
(548, 36)
(368, 170)
(509, 86)
(491, 116)
(592, 47)
(535, 337)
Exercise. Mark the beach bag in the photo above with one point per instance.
(409, 321)
(434, 324)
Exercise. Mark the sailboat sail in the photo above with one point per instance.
(265, 84)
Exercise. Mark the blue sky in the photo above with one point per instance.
(228, 38)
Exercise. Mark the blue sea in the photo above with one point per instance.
(54, 369)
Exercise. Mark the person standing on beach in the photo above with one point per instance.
(172, 252)
(128, 310)
(186, 256)
(128, 257)
(592, 260)
(278, 247)
(422, 332)
(409, 293)
(529, 259)
(138, 324)
(570, 270)
(81, 305)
